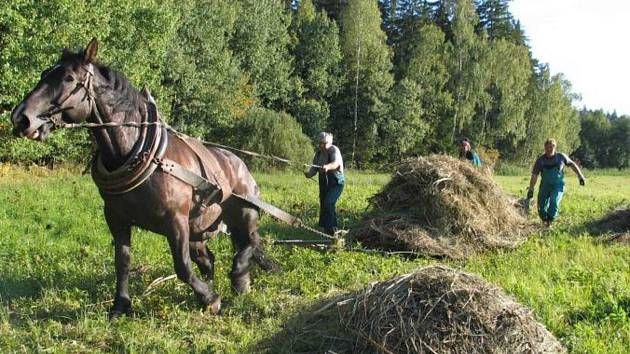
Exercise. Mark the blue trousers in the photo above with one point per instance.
(549, 197)
(329, 192)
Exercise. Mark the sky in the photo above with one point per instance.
(586, 40)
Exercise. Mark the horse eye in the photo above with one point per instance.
(68, 78)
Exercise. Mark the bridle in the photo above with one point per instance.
(57, 105)
(87, 85)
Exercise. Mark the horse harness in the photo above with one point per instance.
(147, 156)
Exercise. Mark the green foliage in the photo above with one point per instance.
(605, 140)
(550, 115)
(209, 89)
(318, 55)
(427, 68)
(496, 19)
(367, 63)
(261, 44)
(312, 115)
(273, 133)
(460, 68)
(467, 79)
(62, 147)
(131, 35)
(501, 113)
(317, 65)
(404, 127)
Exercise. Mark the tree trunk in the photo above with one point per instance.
(356, 96)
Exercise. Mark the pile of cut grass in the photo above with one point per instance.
(616, 225)
(440, 206)
(441, 310)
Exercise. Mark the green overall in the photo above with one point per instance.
(551, 190)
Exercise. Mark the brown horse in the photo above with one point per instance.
(77, 89)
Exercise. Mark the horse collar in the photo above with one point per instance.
(142, 162)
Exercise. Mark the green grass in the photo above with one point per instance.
(57, 273)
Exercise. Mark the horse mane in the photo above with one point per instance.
(115, 89)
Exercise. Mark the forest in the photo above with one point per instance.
(390, 79)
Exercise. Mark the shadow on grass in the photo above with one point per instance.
(616, 221)
(311, 331)
(71, 295)
(284, 231)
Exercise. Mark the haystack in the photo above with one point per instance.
(616, 224)
(441, 310)
(440, 206)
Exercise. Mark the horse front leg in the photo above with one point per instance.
(178, 239)
(121, 232)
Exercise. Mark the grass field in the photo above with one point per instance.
(57, 274)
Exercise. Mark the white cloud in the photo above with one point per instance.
(587, 41)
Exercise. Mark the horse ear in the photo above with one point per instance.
(89, 54)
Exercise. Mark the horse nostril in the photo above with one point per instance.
(22, 123)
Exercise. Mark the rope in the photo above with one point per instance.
(174, 131)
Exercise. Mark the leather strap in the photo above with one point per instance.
(150, 147)
(209, 192)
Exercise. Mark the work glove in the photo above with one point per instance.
(582, 182)
(530, 193)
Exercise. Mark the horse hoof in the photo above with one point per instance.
(241, 285)
(115, 314)
(120, 307)
(265, 264)
(214, 305)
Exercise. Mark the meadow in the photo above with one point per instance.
(57, 273)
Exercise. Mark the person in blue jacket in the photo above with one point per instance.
(331, 180)
(466, 152)
(550, 166)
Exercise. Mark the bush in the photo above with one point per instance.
(62, 146)
(489, 157)
(273, 133)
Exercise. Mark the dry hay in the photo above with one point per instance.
(441, 206)
(441, 310)
(616, 225)
(618, 220)
(622, 238)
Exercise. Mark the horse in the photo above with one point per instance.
(79, 90)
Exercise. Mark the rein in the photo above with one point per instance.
(150, 157)
(59, 124)
(87, 85)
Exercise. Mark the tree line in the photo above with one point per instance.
(390, 79)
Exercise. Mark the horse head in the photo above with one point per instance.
(63, 92)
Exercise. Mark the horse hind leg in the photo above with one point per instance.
(203, 257)
(245, 240)
(261, 259)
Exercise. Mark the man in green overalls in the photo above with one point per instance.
(331, 180)
(550, 166)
